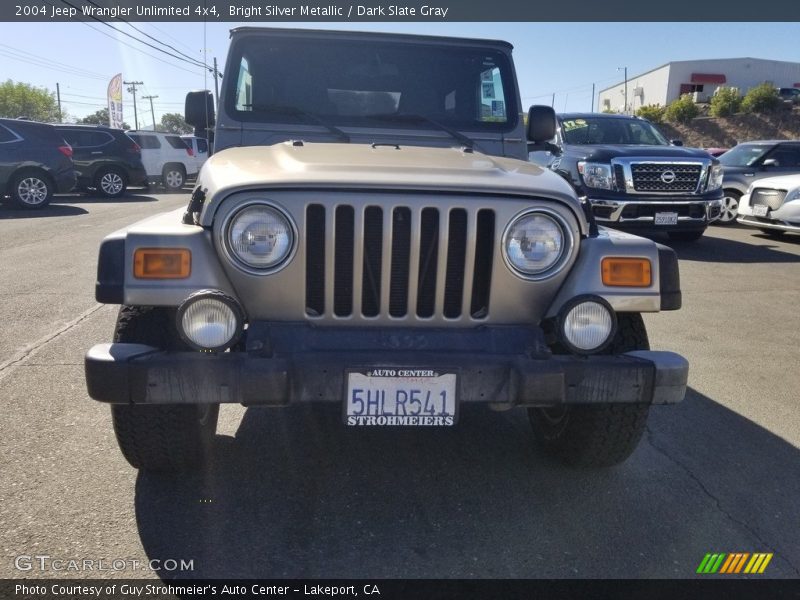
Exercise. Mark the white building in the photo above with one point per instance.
(701, 78)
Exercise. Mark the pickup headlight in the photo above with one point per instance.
(596, 175)
(536, 243)
(714, 178)
(260, 236)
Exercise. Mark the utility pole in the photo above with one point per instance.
(553, 101)
(216, 83)
(58, 95)
(132, 89)
(152, 113)
(591, 109)
(625, 69)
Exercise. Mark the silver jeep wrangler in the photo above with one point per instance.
(369, 233)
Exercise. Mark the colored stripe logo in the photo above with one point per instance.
(733, 563)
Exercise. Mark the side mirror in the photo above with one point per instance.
(541, 124)
(199, 111)
(771, 162)
(676, 142)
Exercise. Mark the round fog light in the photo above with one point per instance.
(210, 321)
(588, 325)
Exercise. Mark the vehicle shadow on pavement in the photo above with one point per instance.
(296, 494)
(760, 249)
(131, 196)
(52, 210)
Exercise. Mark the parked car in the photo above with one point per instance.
(773, 205)
(35, 163)
(402, 265)
(200, 148)
(167, 159)
(790, 95)
(750, 161)
(632, 177)
(106, 159)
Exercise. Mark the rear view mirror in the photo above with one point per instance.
(199, 111)
(676, 142)
(541, 124)
(770, 162)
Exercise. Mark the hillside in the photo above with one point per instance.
(724, 132)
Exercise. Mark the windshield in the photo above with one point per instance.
(605, 130)
(744, 155)
(357, 83)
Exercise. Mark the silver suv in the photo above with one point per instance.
(368, 233)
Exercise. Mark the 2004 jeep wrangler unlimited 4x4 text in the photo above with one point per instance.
(369, 233)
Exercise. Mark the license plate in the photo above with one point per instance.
(759, 210)
(666, 218)
(400, 397)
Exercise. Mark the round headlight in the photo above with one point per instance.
(587, 325)
(260, 236)
(210, 321)
(534, 243)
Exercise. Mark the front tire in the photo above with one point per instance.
(31, 190)
(596, 435)
(730, 207)
(160, 437)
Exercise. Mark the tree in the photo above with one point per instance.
(100, 118)
(174, 123)
(652, 112)
(763, 98)
(682, 110)
(725, 102)
(19, 99)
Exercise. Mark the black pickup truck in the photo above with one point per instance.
(633, 177)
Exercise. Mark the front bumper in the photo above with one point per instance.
(312, 366)
(639, 214)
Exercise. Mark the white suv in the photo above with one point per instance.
(168, 160)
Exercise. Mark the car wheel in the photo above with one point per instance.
(730, 207)
(174, 177)
(685, 236)
(31, 190)
(773, 233)
(111, 183)
(596, 435)
(160, 437)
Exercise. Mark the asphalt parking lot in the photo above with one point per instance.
(292, 493)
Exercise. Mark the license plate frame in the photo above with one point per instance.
(433, 409)
(666, 218)
(759, 210)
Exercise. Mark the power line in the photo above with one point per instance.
(14, 55)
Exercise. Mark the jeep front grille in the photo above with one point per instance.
(418, 262)
(666, 177)
(767, 197)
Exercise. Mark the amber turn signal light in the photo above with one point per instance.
(627, 272)
(162, 263)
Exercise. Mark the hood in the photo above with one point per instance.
(606, 152)
(782, 182)
(385, 167)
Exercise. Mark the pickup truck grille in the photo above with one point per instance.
(400, 262)
(767, 197)
(666, 177)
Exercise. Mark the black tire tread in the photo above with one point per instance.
(600, 435)
(159, 437)
(99, 175)
(19, 176)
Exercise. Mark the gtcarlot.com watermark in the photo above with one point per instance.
(45, 563)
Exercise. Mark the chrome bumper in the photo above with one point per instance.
(713, 209)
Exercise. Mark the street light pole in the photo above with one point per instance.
(152, 113)
(132, 89)
(625, 69)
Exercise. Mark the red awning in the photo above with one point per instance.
(708, 78)
(797, 85)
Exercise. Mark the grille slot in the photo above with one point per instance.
(315, 260)
(650, 177)
(767, 197)
(373, 250)
(400, 262)
(343, 253)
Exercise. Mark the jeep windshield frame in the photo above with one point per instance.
(597, 131)
(346, 82)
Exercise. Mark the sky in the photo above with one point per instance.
(561, 58)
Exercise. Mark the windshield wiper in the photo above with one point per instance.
(406, 117)
(298, 112)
